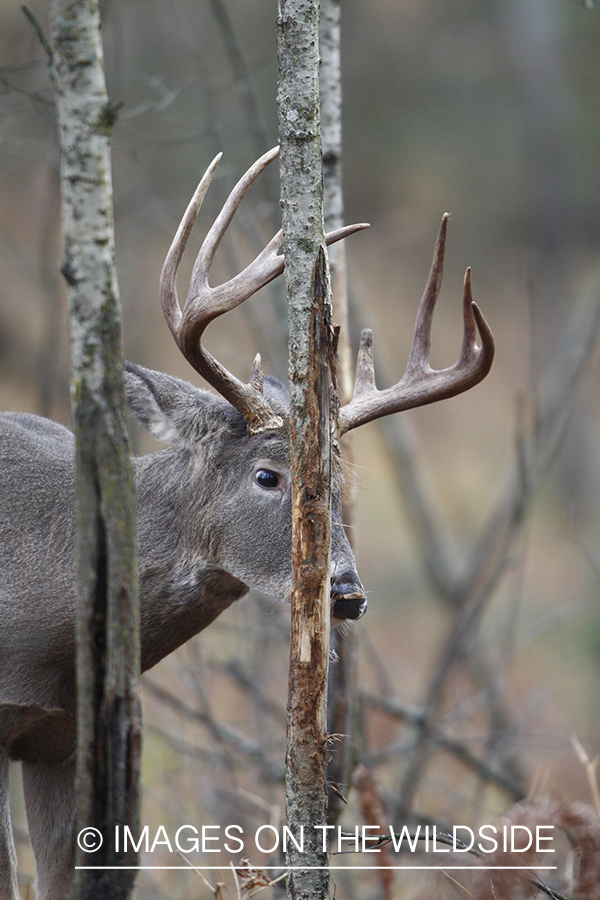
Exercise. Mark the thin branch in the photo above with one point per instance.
(39, 33)
(438, 737)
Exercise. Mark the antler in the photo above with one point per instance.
(421, 384)
(205, 303)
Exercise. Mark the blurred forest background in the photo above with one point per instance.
(478, 519)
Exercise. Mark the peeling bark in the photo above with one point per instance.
(310, 374)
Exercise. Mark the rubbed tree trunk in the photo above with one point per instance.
(106, 565)
(310, 372)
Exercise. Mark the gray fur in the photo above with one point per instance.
(207, 533)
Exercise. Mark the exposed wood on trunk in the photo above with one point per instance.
(310, 364)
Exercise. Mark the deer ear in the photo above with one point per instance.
(172, 410)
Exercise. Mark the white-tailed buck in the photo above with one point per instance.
(214, 512)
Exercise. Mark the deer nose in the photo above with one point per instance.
(348, 598)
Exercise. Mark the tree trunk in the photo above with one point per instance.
(106, 564)
(343, 674)
(310, 368)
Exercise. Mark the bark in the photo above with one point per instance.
(106, 564)
(310, 374)
(343, 674)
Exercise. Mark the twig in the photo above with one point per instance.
(39, 33)
(452, 745)
(590, 766)
(223, 732)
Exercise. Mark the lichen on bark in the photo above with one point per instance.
(108, 656)
(310, 377)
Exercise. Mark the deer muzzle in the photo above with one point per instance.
(348, 600)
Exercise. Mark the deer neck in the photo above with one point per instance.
(181, 590)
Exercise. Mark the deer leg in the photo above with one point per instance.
(49, 789)
(8, 857)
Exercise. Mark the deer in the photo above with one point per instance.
(214, 516)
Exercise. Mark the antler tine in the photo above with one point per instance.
(221, 224)
(419, 354)
(168, 276)
(421, 384)
(364, 382)
(204, 303)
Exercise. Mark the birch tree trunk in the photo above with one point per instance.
(310, 374)
(106, 564)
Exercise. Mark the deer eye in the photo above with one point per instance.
(267, 479)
